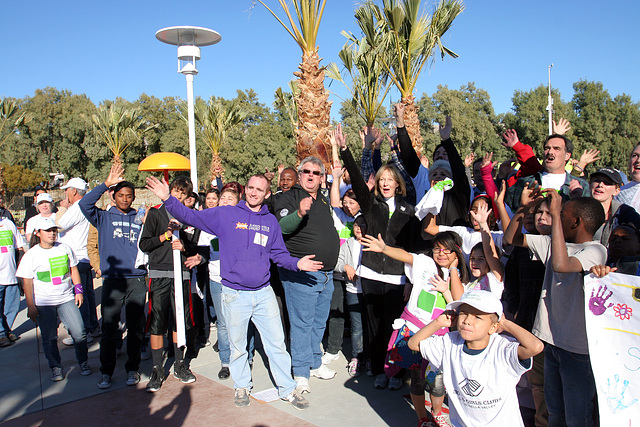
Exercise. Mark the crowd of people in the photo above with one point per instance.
(465, 273)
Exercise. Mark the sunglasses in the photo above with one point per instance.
(308, 172)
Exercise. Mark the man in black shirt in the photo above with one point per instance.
(305, 217)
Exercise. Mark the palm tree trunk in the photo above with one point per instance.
(412, 123)
(3, 185)
(314, 110)
(216, 168)
(116, 160)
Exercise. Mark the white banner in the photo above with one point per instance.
(612, 314)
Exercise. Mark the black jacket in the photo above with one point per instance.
(402, 230)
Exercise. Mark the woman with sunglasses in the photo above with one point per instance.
(387, 214)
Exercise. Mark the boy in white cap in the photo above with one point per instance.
(481, 367)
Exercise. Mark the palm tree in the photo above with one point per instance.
(11, 119)
(314, 107)
(404, 39)
(288, 102)
(216, 120)
(119, 127)
(369, 84)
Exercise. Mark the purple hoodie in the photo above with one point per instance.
(248, 240)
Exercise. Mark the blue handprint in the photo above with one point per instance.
(598, 302)
(615, 395)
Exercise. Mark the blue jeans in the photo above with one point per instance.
(569, 387)
(223, 336)
(70, 316)
(308, 297)
(9, 307)
(261, 307)
(355, 315)
(88, 307)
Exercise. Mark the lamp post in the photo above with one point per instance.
(550, 104)
(189, 39)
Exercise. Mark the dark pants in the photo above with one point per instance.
(130, 292)
(384, 303)
(88, 308)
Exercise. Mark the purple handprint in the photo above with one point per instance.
(598, 302)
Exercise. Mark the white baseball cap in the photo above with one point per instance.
(43, 223)
(78, 183)
(482, 300)
(43, 197)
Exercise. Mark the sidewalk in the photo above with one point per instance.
(26, 391)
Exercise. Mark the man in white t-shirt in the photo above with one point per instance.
(10, 241)
(75, 230)
(557, 152)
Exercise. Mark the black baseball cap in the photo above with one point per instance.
(610, 173)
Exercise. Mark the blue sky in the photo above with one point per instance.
(107, 49)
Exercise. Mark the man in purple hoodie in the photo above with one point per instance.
(249, 236)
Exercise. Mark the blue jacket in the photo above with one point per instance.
(117, 236)
(247, 239)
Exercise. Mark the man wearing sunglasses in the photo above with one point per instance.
(306, 220)
(605, 184)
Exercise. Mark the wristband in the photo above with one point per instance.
(454, 268)
(166, 236)
(77, 288)
(578, 168)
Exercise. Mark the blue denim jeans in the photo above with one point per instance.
(260, 307)
(223, 336)
(569, 387)
(9, 307)
(88, 307)
(70, 316)
(308, 297)
(354, 307)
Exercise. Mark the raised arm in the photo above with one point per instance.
(372, 244)
(334, 194)
(513, 232)
(358, 185)
(489, 247)
(561, 262)
(407, 152)
(455, 161)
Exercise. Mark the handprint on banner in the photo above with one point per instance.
(623, 311)
(615, 394)
(598, 302)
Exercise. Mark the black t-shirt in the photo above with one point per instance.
(316, 234)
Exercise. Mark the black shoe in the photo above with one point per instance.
(224, 373)
(181, 372)
(156, 380)
(215, 347)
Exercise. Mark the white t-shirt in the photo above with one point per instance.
(10, 241)
(560, 318)
(481, 387)
(553, 180)
(211, 241)
(31, 224)
(425, 303)
(75, 231)
(50, 270)
(343, 224)
(488, 282)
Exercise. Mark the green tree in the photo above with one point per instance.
(11, 119)
(405, 39)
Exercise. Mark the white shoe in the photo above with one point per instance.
(69, 341)
(395, 383)
(323, 372)
(302, 385)
(329, 357)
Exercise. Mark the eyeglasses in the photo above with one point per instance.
(308, 172)
(442, 250)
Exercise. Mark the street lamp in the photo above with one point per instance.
(189, 39)
(550, 103)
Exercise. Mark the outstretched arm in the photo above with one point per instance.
(372, 244)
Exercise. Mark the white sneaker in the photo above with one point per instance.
(395, 383)
(302, 385)
(69, 341)
(329, 357)
(323, 372)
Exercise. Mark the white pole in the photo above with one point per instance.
(550, 104)
(178, 295)
(192, 133)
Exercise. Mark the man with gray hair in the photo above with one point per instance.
(75, 230)
(305, 216)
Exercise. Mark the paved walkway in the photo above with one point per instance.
(29, 398)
